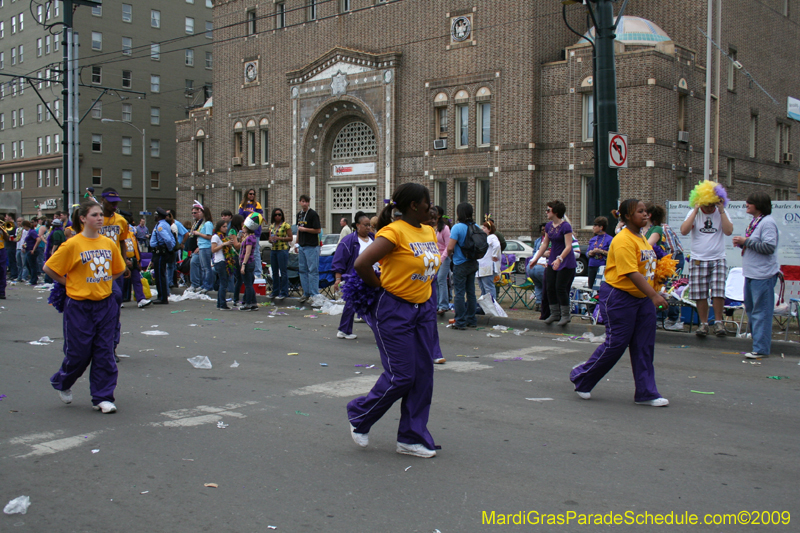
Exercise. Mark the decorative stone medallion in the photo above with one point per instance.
(250, 71)
(339, 84)
(460, 28)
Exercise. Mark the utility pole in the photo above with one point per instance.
(601, 13)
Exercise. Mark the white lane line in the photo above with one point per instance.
(202, 414)
(25, 439)
(463, 366)
(527, 353)
(340, 389)
(58, 445)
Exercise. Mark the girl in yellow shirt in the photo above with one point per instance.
(87, 266)
(628, 303)
(403, 320)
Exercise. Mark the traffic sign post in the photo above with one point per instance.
(617, 150)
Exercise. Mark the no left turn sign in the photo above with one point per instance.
(617, 150)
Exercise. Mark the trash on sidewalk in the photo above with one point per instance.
(777, 377)
(539, 399)
(492, 335)
(154, 332)
(211, 485)
(301, 413)
(235, 364)
(222, 425)
(700, 392)
(44, 341)
(502, 328)
(519, 332)
(331, 307)
(174, 298)
(18, 505)
(200, 361)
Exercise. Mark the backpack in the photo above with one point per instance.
(476, 243)
(672, 240)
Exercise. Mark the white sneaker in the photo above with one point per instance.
(439, 361)
(658, 402)
(358, 319)
(362, 439)
(144, 303)
(105, 407)
(417, 450)
(203, 291)
(190, 289)
(754, 355)
(584, 395)
(677, 326)
(66, 395)
(341, 335)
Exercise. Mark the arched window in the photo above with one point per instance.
(354, 140)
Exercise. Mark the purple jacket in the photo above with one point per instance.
(346, 253)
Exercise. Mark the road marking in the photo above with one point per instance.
(463, 366)
(50, 446)
(196, 417)
(340, 389)
(526, 353)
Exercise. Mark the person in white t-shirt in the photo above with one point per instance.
(708, 224)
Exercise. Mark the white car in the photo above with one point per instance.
(522, 251)
(329, 242)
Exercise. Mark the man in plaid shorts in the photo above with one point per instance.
(708, 268)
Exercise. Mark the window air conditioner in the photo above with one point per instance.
(683, 136)
(788, 157)
(236, 161)
(440, 144)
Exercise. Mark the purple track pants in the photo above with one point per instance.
(405, 334)
(3, 266)
(89, 338)
(346, 322)
(630, 324)
(116, 293)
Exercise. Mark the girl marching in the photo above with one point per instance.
(87, 265)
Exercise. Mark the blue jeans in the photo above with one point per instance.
(221, 268)
(200, 270)
(171, 266)
(280, 272)
(487, 286)
(32, 260)
(464, 284)
(22, 266)
(759, 301)
(537, 277)
(442, 291)
(257, 251)
(248, 278)
(308, 260)
(236, 281)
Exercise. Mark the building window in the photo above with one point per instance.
(39, 14)
(462, 191)
(237, 144)
(126, 79)
(251, 148)
(21, 21)
(127, 179)
(2, 121)
(46, 44)
(2, 63)
(127, 144)
(785, 8)
(753, 134)
(20, 51)
(155, 116)
(21, 118)
(189, 58)
(97, 142)
(155, 18)
(56, 175)
(127, 44)
(39, 148)
(2, 29)
(97, 75)
(440, 194)
(97, 11)
(482, 196)
(209, 60)
(155, 180)
(155, 83)
(97, 40)
(14, 150)
(201, 155)
(97, 176)
(264, 146)
(679, 188)
(127, 12)
(13, 118)
(38, 112)
(345, 5)
(588, 117)
(155, 148)
(47, 147)
(462, 115)
(209, 4)
(47, 177)
(312, 10)
(354, 140)
(155, 51)
(682, 113)
(14, 182)
(13, 59)
(127, 112)
(189, 24)
(251, 22)
(39, 178)
(731, 170)
(781, 140)
(588, 200)
(732, 69)
(39, 47)
(484, 124)
(441, 122)
(97, 109)
(56, 149)
(280, 15)
(57, 108)
(209, 29)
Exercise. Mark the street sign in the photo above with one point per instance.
(617, 150)
(145, 213)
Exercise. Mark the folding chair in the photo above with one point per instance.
(326, 276)
(293, 271)
(503, 283)
(522, 294)
(734, 298)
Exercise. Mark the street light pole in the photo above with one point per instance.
(144, 182)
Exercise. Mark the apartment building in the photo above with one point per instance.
(160, 51)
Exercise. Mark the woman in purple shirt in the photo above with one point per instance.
(560, 265)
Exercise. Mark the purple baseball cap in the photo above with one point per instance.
(111, 196)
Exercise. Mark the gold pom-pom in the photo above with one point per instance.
(665, 268)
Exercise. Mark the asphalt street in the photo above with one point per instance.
(514, 436)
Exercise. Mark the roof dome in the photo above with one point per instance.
(634, 30)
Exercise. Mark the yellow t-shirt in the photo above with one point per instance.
(630, 253)
(115, 228)
(131, 246)
(89, 265)
(408, 270)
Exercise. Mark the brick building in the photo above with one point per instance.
(481, 101)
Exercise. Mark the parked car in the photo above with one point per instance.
(521, 250)
(582, 267)
(329, 242)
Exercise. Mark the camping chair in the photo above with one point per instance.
(580, 296)
(326, 276)
(522, 294)
(734, 299)
(293, 271)
(503, 282)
